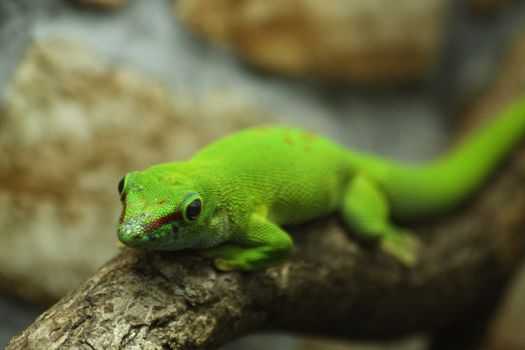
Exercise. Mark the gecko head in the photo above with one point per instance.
(162, 211)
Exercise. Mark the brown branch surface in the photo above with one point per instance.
(330, 285)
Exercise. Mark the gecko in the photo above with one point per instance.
(231, 200)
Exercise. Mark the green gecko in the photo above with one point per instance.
(230, 200)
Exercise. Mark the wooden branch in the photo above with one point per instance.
(330, 285)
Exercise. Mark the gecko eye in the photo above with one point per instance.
(191, 207)
(193, 210)
(121, 185)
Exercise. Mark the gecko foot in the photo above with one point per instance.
(402, 245)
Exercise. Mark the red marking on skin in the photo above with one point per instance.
(307, 149)
(309, 136)
(123, 212)
(162, 221)
(288, 140)
(161, 201)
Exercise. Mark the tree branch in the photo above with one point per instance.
(330, 285)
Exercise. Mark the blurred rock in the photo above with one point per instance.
(506, 86)
(369, 42)
(112, 4)
(70, 129)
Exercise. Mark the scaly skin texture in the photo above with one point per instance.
(230, 200)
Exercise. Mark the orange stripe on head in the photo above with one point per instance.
(123, 212)
(155, 224)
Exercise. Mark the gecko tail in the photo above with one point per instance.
(440, 185)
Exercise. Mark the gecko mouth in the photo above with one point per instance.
(134, 232)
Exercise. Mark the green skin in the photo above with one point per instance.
(253, 181)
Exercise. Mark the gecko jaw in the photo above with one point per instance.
(135, 232)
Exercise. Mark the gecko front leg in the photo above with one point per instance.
(263, 244)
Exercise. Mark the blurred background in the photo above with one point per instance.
(92, 89)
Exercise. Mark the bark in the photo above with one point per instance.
(331, 285)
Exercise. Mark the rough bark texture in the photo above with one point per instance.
(488, 7)
(331, 285)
